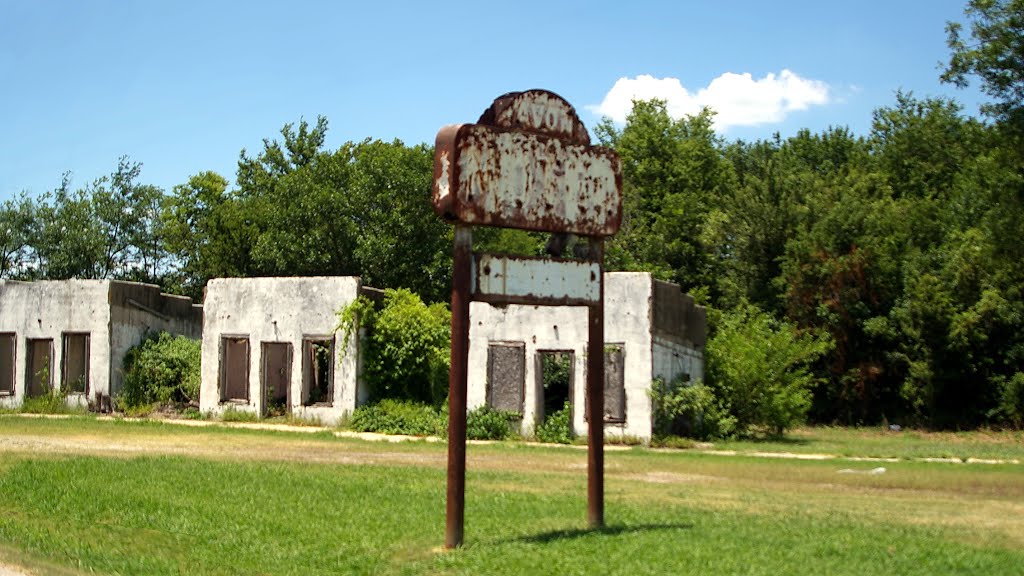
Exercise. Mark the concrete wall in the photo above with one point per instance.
(99, 308)
(282, 310)
(629, 321)
(48, 310)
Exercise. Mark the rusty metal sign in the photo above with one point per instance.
(527, 164)
(516, 280)
(533, 169)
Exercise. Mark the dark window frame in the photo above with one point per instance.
(222, 370)
(65, 337)
(29, 375)
(538, 356)
(308, 341)
(11, 373)
(490, 391)
(610, 418)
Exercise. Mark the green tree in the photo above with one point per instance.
(994, 52)
(760, 369)
(68, 241)
(17, 224)
(204, 229)
(127, 214)
(671, 170)
(400, 242)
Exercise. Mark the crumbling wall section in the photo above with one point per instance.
(279, 310)
(47, 310)
(557, 328)
(137, 309)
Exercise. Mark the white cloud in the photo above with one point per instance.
(738, 99)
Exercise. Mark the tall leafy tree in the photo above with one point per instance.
(993, 52)
(17, 223)
(203, 228)
(672, 171)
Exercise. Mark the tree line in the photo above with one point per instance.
(901, 248)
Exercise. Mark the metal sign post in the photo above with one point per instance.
(528, 164)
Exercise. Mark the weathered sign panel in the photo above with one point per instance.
(491, 177)
(521, 280)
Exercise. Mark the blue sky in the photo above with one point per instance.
(183, 86)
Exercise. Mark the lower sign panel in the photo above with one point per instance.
(511, 280)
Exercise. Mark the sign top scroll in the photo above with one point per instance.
(527, 164)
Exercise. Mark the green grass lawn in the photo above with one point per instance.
(877, 442)
(82, 495)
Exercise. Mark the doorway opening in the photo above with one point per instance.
(276, 370)
(317, 371)
(556, 375)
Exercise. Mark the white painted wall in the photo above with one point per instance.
(539, 328)
(279, 310)
(49, 309)
(627, 321)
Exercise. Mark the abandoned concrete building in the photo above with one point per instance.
(72, 335)
(271, 346)
(530, 359)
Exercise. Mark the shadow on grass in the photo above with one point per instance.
(569, 534)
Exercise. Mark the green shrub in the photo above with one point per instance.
(486, 423)
(759, 369)
(407, 346)
(162, 369)
(557, 427)
(690, 410)
(1010, 409)
(391, 416)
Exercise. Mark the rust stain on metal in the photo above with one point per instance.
(530, 166)
(538, 111)
(540, 281)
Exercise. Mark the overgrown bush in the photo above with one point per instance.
(407, 346)
(162, 369)
(557, 427)
(758, 368)
(486, 423)
(691, 410)
(1010, 409)
(390, 416)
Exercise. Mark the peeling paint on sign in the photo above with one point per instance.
(528, 165)
(508, 280)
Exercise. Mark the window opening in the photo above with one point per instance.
(75, 378)
(7, 348)
(317, 371)
(556, 382)
(234, 368)
(506, 376)
(39, 381)
(614, 384)
(277, 369)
